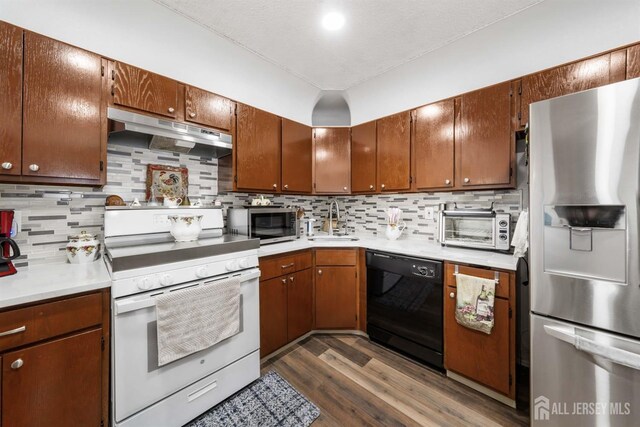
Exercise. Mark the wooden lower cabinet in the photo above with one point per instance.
(488, 360)
(336, 288)
(299, 304)
(273, 314)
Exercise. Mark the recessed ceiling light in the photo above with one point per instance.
(333, 21)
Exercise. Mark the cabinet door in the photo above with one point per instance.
(332, 153)
(11, 99)
(54, 384)
(566, 79)
(336, 301)
(433, 145)
(297, 149)
(62, 110)
(480, 357)
(363, 158)
(394, 152)
(273, 314)
(207, 108)
(299, 303)
(486, 146)
(633, 62)
(143, 90)
(257, 150)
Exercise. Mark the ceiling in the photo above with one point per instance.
(378, 35)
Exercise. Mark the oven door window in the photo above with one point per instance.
(271, 225)
(467, 230)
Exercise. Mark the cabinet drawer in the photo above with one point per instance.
(290, 263)
(502, 287)
(336, 256)
(49, 320)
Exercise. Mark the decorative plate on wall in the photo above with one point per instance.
(167, 181)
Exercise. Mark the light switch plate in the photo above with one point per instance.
(428, 213)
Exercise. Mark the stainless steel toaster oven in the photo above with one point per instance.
(475, 228)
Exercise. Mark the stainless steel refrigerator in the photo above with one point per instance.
(584, 247)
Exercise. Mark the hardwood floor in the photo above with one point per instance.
(357, 383)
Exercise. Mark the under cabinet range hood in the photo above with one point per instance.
(160, 134)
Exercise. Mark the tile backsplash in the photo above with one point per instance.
(49, 214)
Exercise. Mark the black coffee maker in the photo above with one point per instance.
(7, 244)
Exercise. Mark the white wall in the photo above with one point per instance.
(145, 34)
(548, 34)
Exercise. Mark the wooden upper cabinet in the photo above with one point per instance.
(257, 150)
(297, 150)
(633, 62)
(433, 145)
(363, 158)
(11, 99)
(570, 78)
(144, 90)
(207, 108)
(62, 110)
(332, 152)
(394, 152)
(485, 147)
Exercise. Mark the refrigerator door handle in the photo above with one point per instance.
(613, 354)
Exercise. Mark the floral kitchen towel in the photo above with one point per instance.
(474, 304)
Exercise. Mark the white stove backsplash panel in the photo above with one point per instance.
(51, 213)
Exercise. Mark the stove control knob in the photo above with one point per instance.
(145, 283)
(232, 265)
(166, 280)
(202, 272)
(243, 263)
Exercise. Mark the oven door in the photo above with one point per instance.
(468, 231)
(273, 225)
(138, 381)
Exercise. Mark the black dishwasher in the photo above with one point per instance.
(404, 305)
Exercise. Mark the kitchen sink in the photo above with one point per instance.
(334, 238)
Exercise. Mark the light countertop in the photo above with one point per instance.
(414, 248)
(43, 282)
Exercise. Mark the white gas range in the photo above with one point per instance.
(144, 261)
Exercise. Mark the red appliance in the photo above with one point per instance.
(7, 244)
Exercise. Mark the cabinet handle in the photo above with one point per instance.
(275, 185)
(344, 188)
(320, 272)
(286, 186)
(287, 265)
(382, 186)
(171, 109)
(13, 331)
(371, 187)
(452, 295)
(7, 165)
(34, 168)
(467, 180)
(447, 181)
(191, 114)
(291, 279)
(17, 364)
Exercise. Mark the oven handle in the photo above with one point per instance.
(136, 303)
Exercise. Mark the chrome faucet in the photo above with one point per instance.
(331, 215)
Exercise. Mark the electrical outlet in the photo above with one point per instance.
(428, 213)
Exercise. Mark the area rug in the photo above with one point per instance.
(268, 401)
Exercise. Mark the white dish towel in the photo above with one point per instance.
(520, 240)
(192, 319)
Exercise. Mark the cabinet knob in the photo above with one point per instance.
(7, 165)
(344, 188)
(34, 168)
(171, 109)
(192, 114)
(291, 279)
(275, 185)
(17, 364)
(371, 187)
(452, 295)
(284, 281)
(467, 180)
(447, 181)
(382, 186)
(320, 272)
(286, 186)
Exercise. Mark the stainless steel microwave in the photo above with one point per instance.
(269, 224)
(475, 228)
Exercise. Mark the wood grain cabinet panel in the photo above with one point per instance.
(299, 303)
(570, 78)
(11, 99)
(336, 297)
(297, 153)
(62, 110)
(332, 154)
(485, 149)
(257, 150)
(394, 152)
(363, 158)
(433, 145)
(273, 314)
(144, 90)
(208, 109)
(633, 62)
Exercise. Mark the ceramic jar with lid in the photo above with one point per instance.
(83, 248)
